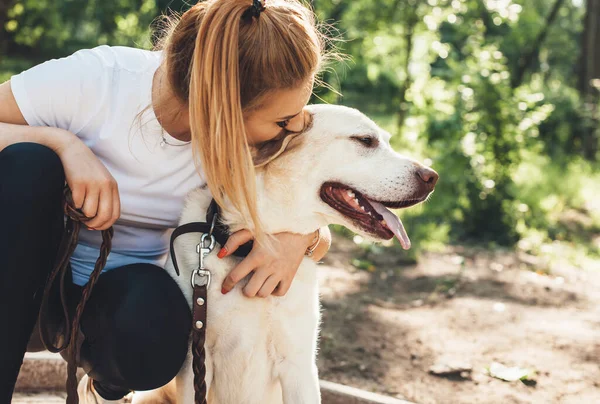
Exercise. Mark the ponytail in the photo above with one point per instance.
(216, 117)
(222, 64)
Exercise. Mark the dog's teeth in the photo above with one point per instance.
(362, 208)
(350, 193)
(356, 200)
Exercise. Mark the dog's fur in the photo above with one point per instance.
(263, 350)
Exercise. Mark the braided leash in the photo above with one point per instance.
(71, 333)
(67, 245)
(198, 339)
(200, 283)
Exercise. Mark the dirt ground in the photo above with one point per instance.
(383, 329)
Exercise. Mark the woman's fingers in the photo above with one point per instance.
(282, 288)
(269, 286)
(104, 213)
(239, 272)
(78, 193)
(116, 205)
(258, 281)
(115, 210)
(273, 273)
(108, 205)
(235, 240)
(94, 189)
(90, 203)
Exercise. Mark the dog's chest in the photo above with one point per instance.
(243, 327)
(246, 331)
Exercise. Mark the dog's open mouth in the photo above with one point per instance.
(372, 216)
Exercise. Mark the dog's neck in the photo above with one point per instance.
(280, 208)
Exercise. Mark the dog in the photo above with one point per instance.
(341, 170)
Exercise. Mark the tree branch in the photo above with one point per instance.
(526, 60)
(411, 23)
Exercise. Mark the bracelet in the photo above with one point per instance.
(311, 249)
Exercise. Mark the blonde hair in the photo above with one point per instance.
(223, 63)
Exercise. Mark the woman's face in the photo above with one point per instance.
(282, 112)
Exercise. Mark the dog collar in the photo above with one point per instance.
(220, 231)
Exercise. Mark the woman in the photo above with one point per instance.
(131, 132)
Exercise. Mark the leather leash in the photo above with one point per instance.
(200, 280)
(67, 245)
(213, 231)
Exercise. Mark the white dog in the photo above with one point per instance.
(262, 350)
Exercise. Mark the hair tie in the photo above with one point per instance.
(255, 9)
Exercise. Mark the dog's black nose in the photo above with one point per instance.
(427, 175)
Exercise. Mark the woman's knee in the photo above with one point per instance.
(31, 169)
(152, 327)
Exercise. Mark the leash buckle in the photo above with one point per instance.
(203, 273)
(205, 247)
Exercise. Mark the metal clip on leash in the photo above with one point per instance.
(205, 247)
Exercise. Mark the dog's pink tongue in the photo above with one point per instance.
(394, 224)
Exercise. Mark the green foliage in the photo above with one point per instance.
(438, 75)
(12, 66)
(40, 29)
(451, 101)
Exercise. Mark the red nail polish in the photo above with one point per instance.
(224, 291)
(222, 252)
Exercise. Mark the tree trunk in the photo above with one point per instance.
(411, 23)
(4, 7)
(526, 59)
(590, 57)
(589, 76)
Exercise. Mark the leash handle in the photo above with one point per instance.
(71, 333)
(198, 339)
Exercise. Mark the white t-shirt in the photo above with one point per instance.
(97, 94)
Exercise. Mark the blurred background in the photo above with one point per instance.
(501, 97)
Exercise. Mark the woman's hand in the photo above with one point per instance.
(93, 188)
(273, 273)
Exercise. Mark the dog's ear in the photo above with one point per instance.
(271, 150)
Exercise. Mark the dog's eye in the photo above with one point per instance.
(367, 141)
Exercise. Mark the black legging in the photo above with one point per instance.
(136, 322)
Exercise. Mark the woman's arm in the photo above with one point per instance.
(14, 129)
(94, 189)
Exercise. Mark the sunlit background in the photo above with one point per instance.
(499, 96)
(491, 93)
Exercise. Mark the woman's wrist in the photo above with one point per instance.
(321, 246)
(313, 243)
(53, 138)
(61, 139)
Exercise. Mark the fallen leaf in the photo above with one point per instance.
(510, 374)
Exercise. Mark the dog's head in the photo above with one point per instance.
(341, 170)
